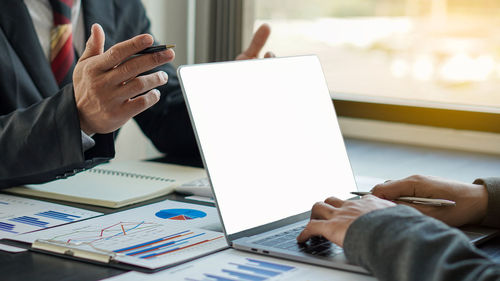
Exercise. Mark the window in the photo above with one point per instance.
(430, 62)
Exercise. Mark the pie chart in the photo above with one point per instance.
(180, 214)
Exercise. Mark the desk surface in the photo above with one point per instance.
(367, 158)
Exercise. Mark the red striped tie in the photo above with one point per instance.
(62, 52)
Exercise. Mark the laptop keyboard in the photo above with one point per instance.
(287, 240)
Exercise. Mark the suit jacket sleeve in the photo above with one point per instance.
(400, 243)
(43, 142)
(167, 123)
(493, 187)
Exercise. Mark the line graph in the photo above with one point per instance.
(91, 235)
(141, 240)
(138, 236)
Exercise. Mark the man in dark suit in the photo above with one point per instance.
(51, 130)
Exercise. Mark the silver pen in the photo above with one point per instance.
(418, 200)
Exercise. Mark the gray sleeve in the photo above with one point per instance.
(400, 243)
(493, 187)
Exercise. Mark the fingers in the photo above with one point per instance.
(313, 228)
(258, 41)
(95, 44)
(396, 188)
(269, 55)
(143, 84)
(321, 210)
(123, 50)
(137, 105)
(334, 201)
(137, 65)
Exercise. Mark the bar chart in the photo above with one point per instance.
(30, 221)
(166, 245)
(234, 265)
(21, 215)
(249, 269)
(59, 216)
(7, 227)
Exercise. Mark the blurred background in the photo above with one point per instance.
(435, 53)
(433, 50)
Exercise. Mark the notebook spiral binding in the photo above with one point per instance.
(128, 175)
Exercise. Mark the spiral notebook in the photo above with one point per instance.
(116, 184)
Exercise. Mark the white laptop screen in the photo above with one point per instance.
(269, 137)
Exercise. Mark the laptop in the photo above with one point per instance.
(272, 147)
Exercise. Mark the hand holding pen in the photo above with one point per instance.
(471, 200)
(114, 82)
(417, 200)
(155, 49)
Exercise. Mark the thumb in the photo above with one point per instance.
(95, 43)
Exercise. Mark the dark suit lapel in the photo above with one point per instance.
(103, 13)
(18, 28)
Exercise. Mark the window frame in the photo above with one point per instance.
(439, 115)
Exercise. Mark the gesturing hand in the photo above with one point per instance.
(107, 88)
(258, 41)
(471, 199)
(332, 218)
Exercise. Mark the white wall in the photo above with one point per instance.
(169, 25)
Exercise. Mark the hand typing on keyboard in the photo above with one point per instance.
(287, 241)
(331, 219)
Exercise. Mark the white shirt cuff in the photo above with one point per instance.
(87, 142)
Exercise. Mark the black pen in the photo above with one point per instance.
(418, 200)
(155, 49)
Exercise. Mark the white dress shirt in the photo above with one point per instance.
(41, 15)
